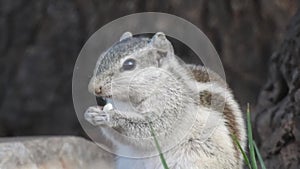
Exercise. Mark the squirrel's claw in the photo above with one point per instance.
(96, 116)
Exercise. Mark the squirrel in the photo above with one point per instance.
(146, 83)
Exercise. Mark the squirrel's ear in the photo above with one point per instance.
(126, 35)
(163, 47)
(160, 42)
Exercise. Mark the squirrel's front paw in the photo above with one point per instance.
(96, 116)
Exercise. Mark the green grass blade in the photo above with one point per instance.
(250, 139)
(162, 158)
(261, 161)
(246, 159)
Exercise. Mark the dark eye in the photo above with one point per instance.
(129, 64)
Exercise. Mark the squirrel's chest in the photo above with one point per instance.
(177, 158)
(154, 163)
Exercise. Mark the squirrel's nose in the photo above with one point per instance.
(98, 90)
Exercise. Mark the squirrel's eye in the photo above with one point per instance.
(129, 64)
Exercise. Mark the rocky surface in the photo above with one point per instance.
(277, 120)
(52, 153)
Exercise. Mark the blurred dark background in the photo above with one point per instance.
(258, 42)
(40, 41)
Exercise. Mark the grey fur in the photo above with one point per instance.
(172, 95)
(124, 47)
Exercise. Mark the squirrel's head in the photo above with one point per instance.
(134, 69)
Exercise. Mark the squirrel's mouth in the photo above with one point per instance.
(101, 101)
(118, 104)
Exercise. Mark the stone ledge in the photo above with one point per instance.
(66, 152)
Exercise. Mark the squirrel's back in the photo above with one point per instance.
(230, 109)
